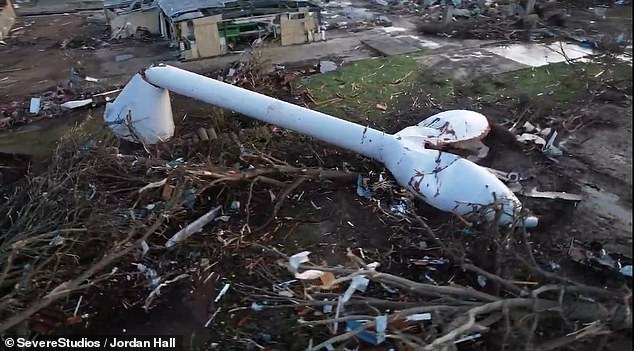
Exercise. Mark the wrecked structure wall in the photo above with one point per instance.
(202, 38)
(7, 18)
(126, 24)
(208, 41)
(297, 28)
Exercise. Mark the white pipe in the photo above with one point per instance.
(444, 180)
(363, 140)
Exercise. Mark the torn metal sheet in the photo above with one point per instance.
(551, 195)
(142, 112)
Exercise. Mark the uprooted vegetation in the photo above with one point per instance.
(81, 226)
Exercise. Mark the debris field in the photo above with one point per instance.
(335, 175)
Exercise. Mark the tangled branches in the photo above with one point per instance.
(555, 311)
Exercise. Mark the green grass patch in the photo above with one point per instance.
(364, 90)
(360, 91)
(551, 85)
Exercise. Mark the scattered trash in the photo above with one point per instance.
(76, 104)
(532, 138)
(34, 108)
(551, 195)
(310, 274)
(468, 338)
(57, 240)
(362, 188)
(418, 317)
(381, 106)
(374, 338)
(595, 257)
(327, 278)
(144, 247)
(91, 79)
(222, 292)
(327, 66)
(550, 148)
(358, 283)
(234, 208)
(189, 198)
(482, 280)
(553, 266)
(153, 185)
(194, 227)
(297, 259)
(153, 279)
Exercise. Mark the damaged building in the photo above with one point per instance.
(209, 28)
(7, 18)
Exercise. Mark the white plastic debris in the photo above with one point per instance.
(193, 227)
(144, 247)
(57, 240)
(142, 113)
(310, 274)
(297, 259)
(468, 338)
(531, 138)
(380, 324)
(34, 107)
(358, 283)
(222, 292)
(91, 79)
(482, 280)
(76, 104)
(626, 271)
(327, 308)
(418, 317)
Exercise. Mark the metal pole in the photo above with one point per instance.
(363, 140)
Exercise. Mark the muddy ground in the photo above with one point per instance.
(589, 103)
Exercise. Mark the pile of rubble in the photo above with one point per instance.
(79, 92)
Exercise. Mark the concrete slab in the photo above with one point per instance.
(468, 63)
(390, 46)
(537, 55)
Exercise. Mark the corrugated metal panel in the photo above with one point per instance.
(116, 3)
(175, 8)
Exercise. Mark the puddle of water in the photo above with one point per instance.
(536, 55)
(393, 29)
(40, 138)
(607, 204)
(424, 43)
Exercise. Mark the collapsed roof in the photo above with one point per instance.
(179, 10)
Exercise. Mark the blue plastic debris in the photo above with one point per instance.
(87, 145)
(189, 198)
(374, 338)
(362, 190)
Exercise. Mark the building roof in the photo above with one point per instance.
(176, 8)
(108, 4)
